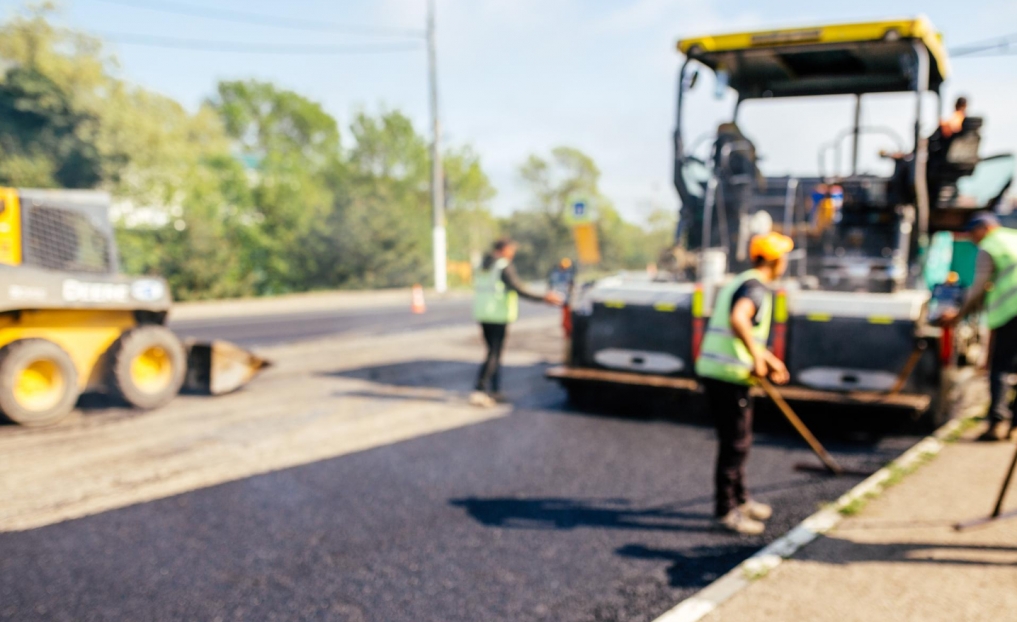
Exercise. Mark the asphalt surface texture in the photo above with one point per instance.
(551, 513)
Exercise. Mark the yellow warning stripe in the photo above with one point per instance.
(826, 317)
(697, 302)
(780, 308)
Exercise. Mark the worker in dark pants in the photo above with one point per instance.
(732, 354)
(496, 292)
(995, 284)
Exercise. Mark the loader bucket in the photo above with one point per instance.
(219, 367)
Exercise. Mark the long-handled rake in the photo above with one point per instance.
(831, 466)
(997, 512)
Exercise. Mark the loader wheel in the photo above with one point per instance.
(147, 366)
(38, 382)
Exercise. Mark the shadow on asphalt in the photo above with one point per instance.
(562, 513)
(94, 403)
(388, 395)
(695, 567)
(565, 513)
(437, 374)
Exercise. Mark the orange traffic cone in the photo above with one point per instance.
(418, 305)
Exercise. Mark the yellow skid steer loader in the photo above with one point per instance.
(70, 322)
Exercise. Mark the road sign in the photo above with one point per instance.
(580, 210)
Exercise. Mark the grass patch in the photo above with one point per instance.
(962, 428)
(755, 573)
(897, 473)
(857, 504)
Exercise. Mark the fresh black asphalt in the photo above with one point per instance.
(547, 514)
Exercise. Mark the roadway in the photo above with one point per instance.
(263, 330)
(352, 482)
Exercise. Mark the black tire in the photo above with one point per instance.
(147, 366)
(38, 382)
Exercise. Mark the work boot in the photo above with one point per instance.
(997, 431)
(756, 510)
(481, 399)
(738, 522)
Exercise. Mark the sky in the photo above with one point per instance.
(519, 77)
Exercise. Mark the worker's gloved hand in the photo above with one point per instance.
(767, 365)
(554, 299)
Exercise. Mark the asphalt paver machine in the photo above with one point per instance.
(851, 320)
(70, 322)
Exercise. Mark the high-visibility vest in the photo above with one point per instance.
(723, 356)
(493, 303)
(1001, 300)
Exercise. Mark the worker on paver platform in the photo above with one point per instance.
(496, 292)
(996, 284)
(733, 352)
(955, 122)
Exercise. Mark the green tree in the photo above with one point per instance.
(70, 122)
(385, 220)
(251, 194)
(545, 236)
(292, 148)
(468, 194)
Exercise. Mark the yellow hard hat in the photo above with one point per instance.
(565, 263)
(770, 246)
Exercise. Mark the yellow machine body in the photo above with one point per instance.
(10, 227)
(85, 335)
(61, 290)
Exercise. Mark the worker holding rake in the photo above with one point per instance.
(733, 354)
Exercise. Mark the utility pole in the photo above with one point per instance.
(437, 176)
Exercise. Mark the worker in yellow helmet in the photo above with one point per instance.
(562, 278)
(733, 353)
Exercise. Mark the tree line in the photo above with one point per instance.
(255, 193)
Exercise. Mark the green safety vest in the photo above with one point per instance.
(722, 355)
(493, 303)
(1001, 300)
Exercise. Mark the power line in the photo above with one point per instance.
(262, 19)
(255, 48)
(987, 53)
(988, 47)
